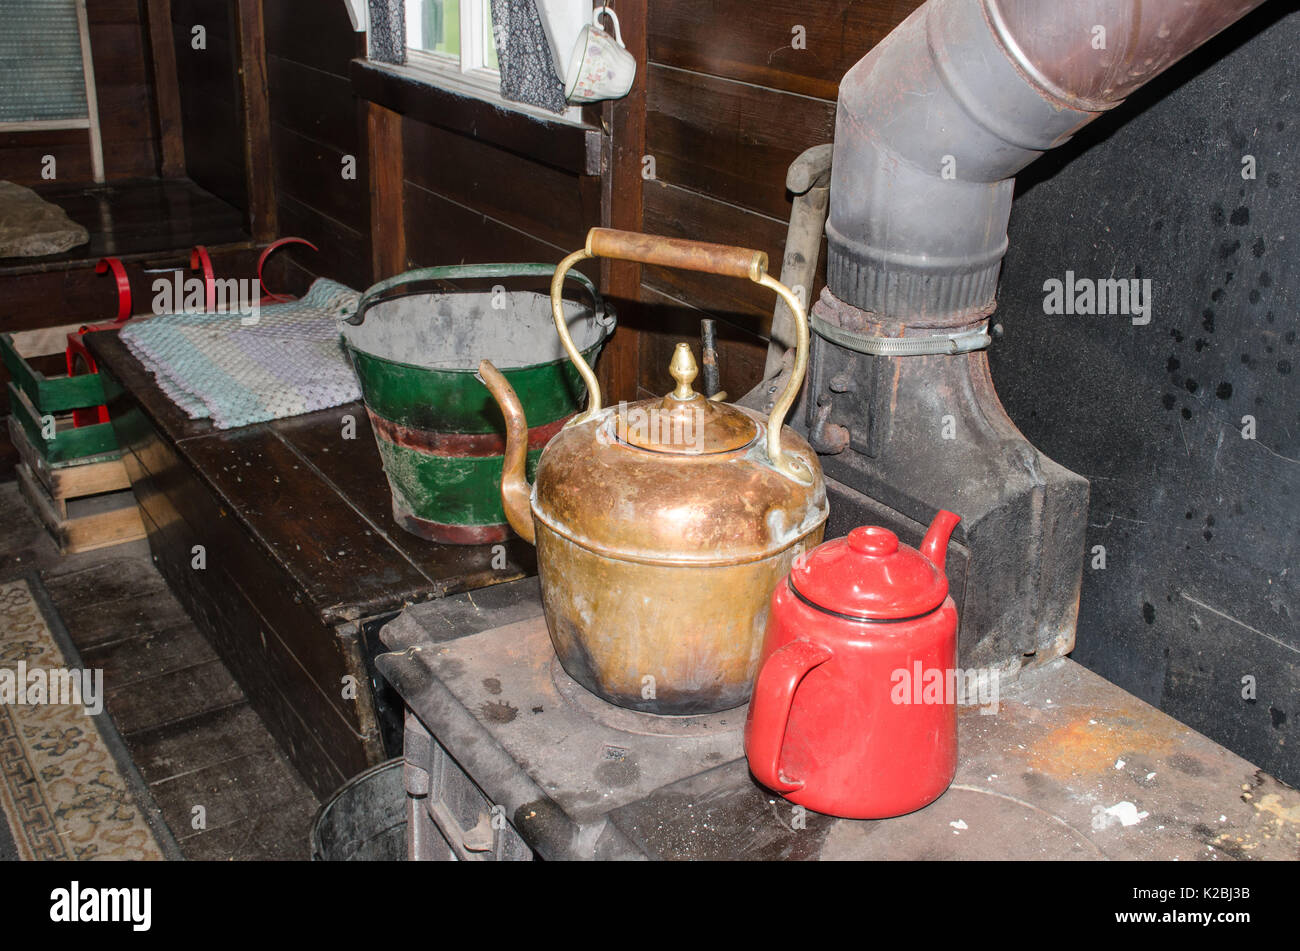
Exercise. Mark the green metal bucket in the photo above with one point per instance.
(440, 433)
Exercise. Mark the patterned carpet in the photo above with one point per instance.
(68, 789)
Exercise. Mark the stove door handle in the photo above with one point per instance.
(482, 837)
(769, 710)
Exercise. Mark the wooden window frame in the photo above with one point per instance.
(467, 74)
(90, 121)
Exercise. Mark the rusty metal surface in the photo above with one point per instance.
(658, 568)
(1059, 47)
(1065, 761)
(670, 508)
(685, 421)
(666, 639)
(927, 433)
(658, 554)
(1054, 773)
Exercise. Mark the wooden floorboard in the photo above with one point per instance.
(187, 724)
(172, 696)
(229, 793)
(271, 836)
(205, 739)
(130, 660)
(94, 622)
(120, 574)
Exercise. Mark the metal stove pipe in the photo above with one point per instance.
(936, 120)
(933, 124)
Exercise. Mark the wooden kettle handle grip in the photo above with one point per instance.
(722, 259)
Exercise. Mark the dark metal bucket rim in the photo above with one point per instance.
(601, 313)
(317, 847)
(586, 355)
(374, 294)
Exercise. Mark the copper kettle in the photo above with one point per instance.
(663, 526)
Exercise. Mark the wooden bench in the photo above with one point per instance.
(279, 540)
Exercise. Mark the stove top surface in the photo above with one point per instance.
(1064, 765)
(588, 755)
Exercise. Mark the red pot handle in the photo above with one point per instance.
(769, 709)
(273, 246)
(199, 259)
(123, 286)
(78, 358)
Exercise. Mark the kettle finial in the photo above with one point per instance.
(935, 544)
(684, 369)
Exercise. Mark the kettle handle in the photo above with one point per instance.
(769, 709)
(721, 259)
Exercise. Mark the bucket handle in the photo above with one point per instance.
(375, 293)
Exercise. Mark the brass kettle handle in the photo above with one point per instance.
(722, 259)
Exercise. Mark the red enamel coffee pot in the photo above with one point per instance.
(837, 722)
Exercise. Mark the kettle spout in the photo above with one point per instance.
(515, 491)
(935, 545)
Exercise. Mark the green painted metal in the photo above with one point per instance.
(50, 394)
(454, 401)
(454, 494)
(67, 446)
(452, 490)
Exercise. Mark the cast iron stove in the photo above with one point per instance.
(508, 758)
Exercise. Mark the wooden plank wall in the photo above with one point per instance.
(120, 47)
(211, 111)
(725, 102)
(730, 102)
(464, 201)
(470, 202)
(314, 124)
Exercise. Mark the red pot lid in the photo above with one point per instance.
(868, 574)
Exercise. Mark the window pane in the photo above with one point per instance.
(433, 25)
(489, 42)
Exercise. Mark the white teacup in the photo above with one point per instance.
(601, 67)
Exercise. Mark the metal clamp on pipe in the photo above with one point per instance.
(949, 344)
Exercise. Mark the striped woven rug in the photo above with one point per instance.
(68, 789)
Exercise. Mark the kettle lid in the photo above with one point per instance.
(684, 422)
(867, 574)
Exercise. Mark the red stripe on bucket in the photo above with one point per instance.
(459, 444)
(453, 534)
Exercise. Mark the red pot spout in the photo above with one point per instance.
(935, 545)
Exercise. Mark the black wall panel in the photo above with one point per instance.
(1199, 595)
